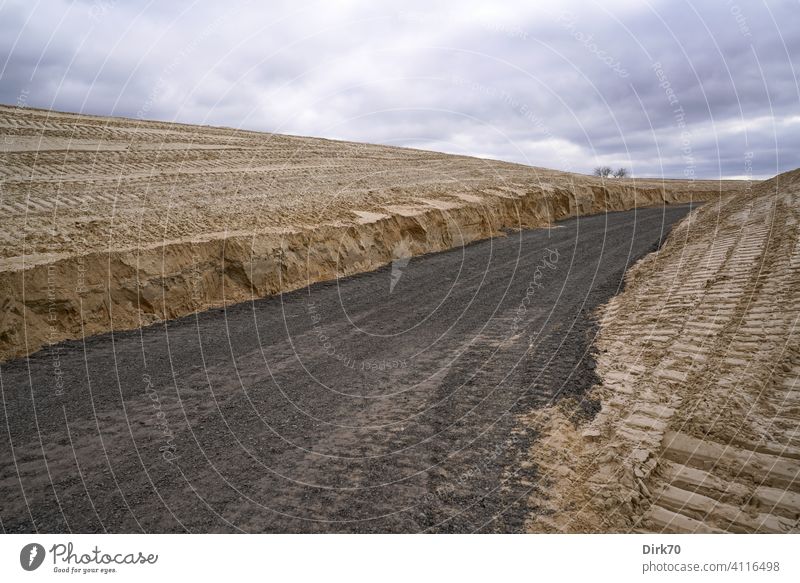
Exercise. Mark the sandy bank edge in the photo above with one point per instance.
(120, 290)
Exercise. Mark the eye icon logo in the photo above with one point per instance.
(31, 556)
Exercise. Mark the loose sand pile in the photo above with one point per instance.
(700, 359)
(114, 223)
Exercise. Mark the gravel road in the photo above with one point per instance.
(382, 402)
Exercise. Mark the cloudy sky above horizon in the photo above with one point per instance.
(674, 88)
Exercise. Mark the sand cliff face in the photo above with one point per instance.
(112, 224)
(700, 365)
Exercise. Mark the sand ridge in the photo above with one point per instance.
(113, 223)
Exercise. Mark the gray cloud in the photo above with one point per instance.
(689, 88)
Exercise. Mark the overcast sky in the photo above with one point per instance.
(673, 88)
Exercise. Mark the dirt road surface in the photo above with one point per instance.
(386, 401)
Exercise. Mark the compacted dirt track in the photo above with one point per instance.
(386, 401)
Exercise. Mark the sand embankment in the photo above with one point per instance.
(114, 223)
(700, 365)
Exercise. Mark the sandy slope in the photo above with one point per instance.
(113, 223)
(700, 360)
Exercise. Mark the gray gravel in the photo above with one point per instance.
(349, 406)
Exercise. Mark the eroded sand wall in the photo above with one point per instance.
(118, 290)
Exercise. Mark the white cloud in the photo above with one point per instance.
(506, 80)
